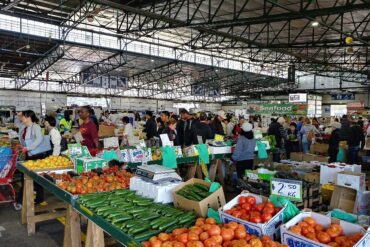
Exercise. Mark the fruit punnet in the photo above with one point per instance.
(206, 233)
(90, 182)
(51, 162)
(248, 210)
(332, 235)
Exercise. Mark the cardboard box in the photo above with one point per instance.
(319, 148)
(296, 156)
(294, 240)
(219, 150)
(343, 198)
(314, 157)
(140, 154)
(328, 172)
(313, 177)
(215, 200)
(106, 130)
(270, 228)
(87, 164)
(352, 180)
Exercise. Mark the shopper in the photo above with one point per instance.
(137, 116)
(128, 132)
(202, 129)
(238, 127)
(150, 125)
(216, 124)
(244, 150)
(316, 123)
(292, 144)
(344, 130)
(356, 142)
(334, 142)
(66, 122)
(360, 122)
(308, 132)
(88, 129)
(165, 118)
(230, 127)
(160, 126)
(94, 119)
(171, 130)
(186, 128)
(275, 131)
(54, 134)
(31, 140)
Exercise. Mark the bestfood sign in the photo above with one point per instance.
(281, 109)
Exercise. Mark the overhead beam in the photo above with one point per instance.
(39, 66)
(10, 4)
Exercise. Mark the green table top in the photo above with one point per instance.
(63, 195)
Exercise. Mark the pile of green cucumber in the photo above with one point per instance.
(139, 217)
(194, 192)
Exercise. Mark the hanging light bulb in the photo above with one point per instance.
(350, 50)
(349, 40)
(90, 18)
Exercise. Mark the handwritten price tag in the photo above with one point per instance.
(252, 176)
(291, 189)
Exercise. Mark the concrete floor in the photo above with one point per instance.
(48, 234)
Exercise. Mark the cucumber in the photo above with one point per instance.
(150, 216)
(202, 186)
(153, 222)
(134, 223)
(144, 203)
(146, 235)
(121, 218)
(165, 226)
(171, 228)
(139, 229)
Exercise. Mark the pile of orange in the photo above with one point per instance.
(206, 233)
(332, 235)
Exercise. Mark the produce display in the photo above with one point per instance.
(140, 217)
(194, 192)
(248, 210)
(156, 153)
(206, 233)
(332, 235)
(51, 162)
(90, 182)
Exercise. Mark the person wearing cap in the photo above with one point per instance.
(216, 124)
(334, 142)
(202, 129)
(244, 150)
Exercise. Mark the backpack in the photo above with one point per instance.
(310, 136)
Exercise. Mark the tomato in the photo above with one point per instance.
(192, 236)
(146, 243)
(214, 230)
(256, 243)
(268, 210)
(237, 214)
(183, 238)
(210, 243)
(244, 217)
(337, 228)
(296, 230)
(251, 200)
(333, 244)
(310, 221)
(319, 228)
(255, 219)
(246, 206)
(232, 225)
(211, 221)
(178, 231)
(217, 239)
(163, 237)
(333, 232)
(167, 244)
(156, 243)
(323, 237)
(227, 234)
(203, 236)
(240, 233)
(259, 207)
(340, 240)
(199, 222)
(266, 217)
(196, 229)
(206, 227)
(308, 229)
(269, 205)
(226, 244)
(194, 244)
(356, 237)
(312, 236)
(242, 200)
(178, 244)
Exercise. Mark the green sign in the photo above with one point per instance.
(278, 109)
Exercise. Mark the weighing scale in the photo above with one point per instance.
(157, 173)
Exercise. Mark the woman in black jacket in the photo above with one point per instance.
(334, 142)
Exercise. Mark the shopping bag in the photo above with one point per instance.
(203, 153)
(169, 157)
(341, 156)
(262, 152)
(290, 211)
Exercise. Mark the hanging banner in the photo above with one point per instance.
(277, 109)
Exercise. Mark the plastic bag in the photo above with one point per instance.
(203, 153)
(290, 211)
(341, 156)
(169, 157)
(340, 214)
(214, 214)
(262, 153)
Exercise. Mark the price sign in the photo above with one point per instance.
(252, 176)
(291, 189)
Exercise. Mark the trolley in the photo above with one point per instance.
(7, 192)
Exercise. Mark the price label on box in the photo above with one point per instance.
(291, 189)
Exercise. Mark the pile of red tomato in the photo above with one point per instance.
(332, 236)
(248, 210)
(206, 233)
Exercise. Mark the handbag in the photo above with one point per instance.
(262, 153)
(42, 148)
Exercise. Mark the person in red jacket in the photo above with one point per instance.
(88, 129)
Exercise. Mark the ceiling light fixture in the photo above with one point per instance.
(90, 17)
(152, 60)
(315, 24)
(28, 62)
